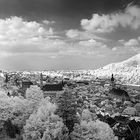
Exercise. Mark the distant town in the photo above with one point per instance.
(78, 96)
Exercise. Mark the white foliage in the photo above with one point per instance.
(126, 72)
(43, 123)
(86, 115)
(34, 94)
(3, 95)
(14, 108)
(97, 130)
(130, 111)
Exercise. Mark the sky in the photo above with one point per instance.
(67, 34)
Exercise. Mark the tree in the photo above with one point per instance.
(15, 109)
(44, 124)
(93, 130)
(11, 130)
(13, 112)
(77, 132)
(22, 109)
(67, 109)
(6, 106)
(86, 115)
(34, 94)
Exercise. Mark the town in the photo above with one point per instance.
(93, 99)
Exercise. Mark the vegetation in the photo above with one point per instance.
(67, 109)
(76, 113)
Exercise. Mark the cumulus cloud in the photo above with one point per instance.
(73, 33)
(20, 39)
(132, 42)
(21, 36)
(15, 28)
(108, 23)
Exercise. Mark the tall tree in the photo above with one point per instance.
(67, 108)
(6, 78)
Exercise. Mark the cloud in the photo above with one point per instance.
(47, 22)
(33, 44)
(114, 48)
(20, 36)
(132, 42)
(108, 23)
(15, 28)
(139, 38)
(131, 45)
(98, 24)
(73, 33)
(122, 41)
(81, 35)
(91, 42)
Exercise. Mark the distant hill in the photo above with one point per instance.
(127, 72)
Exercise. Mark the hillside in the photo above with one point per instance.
(128, 71)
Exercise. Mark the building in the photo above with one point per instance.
(82, 83)
(119, 93)
(26, 84)
(52, 87)
(112, 84)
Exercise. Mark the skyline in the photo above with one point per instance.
(67, 34)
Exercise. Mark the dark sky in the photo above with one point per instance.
(67, 13)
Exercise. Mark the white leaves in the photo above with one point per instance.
(93, 130)
(97, 130)
(34, 94)
(44, 123)
(86, 115)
